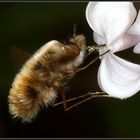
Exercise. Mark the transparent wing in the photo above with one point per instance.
(18, 56)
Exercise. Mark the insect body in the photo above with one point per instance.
(44, 75)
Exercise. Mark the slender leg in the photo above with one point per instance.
(72, 99)
(87, 99)
(80, 69)
(83, 68)
(89, 96)
(94, 60)
(63, 99)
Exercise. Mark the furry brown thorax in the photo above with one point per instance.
(43, 75)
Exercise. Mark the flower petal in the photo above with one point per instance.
(125, 42)
(110, 19)
(99, 39)
(135, 28)
(117, 77)
(137, 48)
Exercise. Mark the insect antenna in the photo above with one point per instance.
(74, 30)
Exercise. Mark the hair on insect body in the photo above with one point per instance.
(45, 75)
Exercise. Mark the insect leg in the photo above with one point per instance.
(93, 95)
(89, 96)
(63, 99)
(80, 69)
(94, 60)
(71, 99)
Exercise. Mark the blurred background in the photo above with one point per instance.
(28, 26)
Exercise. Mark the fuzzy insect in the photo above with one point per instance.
(45, 75)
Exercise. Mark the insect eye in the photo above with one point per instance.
(72, 43)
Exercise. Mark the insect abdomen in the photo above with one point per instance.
(28, 93)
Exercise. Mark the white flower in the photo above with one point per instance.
(112, 23)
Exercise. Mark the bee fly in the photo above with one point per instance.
(45, 75)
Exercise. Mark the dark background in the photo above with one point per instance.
(28, 26)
